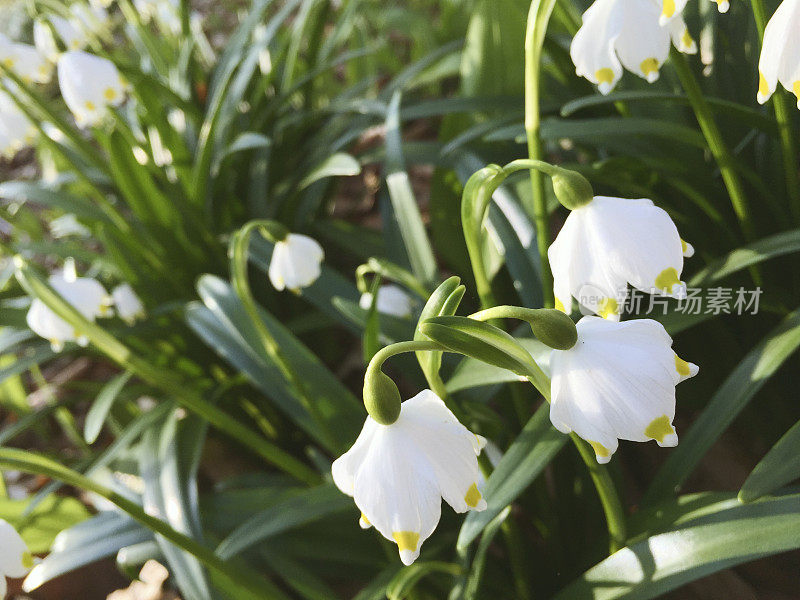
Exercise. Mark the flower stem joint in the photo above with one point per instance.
(381, 396)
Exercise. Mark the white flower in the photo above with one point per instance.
(672, 8)
(16, 131)
(15, 558)
(85, 294)
(129, 306)
(89, 85)
(296, 262)
(392, 300)
(617, 382)
(780, 54)
(25, 61)
(68, 225)
(72, 36)
(609, 243)
(165, 12)
(398, 474)
(625, 33)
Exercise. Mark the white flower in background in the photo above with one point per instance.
(780, 54)
(85, 294)
(392, 300)
(16, 131)
(67, 226)
(673, 8)
(91, 20)
(15, 558)
(165, 12)
(610, 243)
(617, 383)
(89, 85)
(398, 474)
(71, 36)
(625, 33)
(24, 61)
(296, 262)
(129, 306)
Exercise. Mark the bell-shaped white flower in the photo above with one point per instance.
(89, 85)
(625, 33)
(296, 262)
(673, 8)
(392, 300)
(15, 558)
(129, 306)
(780, 53)
(610, 243)
(16, 131)
(85, 294)
(25, 61)
(398, 474)
(617, 383)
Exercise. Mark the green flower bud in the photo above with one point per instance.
(572, 189)
(553, 328)
(381, 397)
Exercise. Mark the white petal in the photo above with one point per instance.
(592, 48)
(46, 324)
(89, 85)
(15, 560)
(681, 38)
(297, 262)
(392, 300)
(129, 306)
(781, 46)
(344, 468)
(643, 45)
(87, 295)
(670, 9)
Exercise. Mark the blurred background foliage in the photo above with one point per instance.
(297, 111)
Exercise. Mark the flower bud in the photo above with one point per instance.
(572, 189)
(553, 328)
(381, 397)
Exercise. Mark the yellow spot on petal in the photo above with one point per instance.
(666, 279)
(607, 307)
(604, 75)
(406, 540)
(8, 62)
(668, 8)
(365, 520)
(560, 306)
(90, 105)
(599, 449)
(682, 367)
(27, 560)
(684, 247)
(687, 41)
(110, 94)
(796, 88)
(473, 496)
(649, 65)
(659, 428)
(763, 85)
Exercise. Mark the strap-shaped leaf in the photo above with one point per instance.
(780, 466)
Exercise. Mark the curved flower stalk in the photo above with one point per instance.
(671, 9)
(617, 383)
(15, 558)
(87, 295)
(610, 243)
(16, 131)
(392, 300)
(399, 473)
(780, 53)
(296, 262)
(89, 85)
(129, 307)
(625, 33)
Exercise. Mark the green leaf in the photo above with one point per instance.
(40, 526)
(472, 373)
(479, 340)
(729, 400)
(340, 164)
(702, 546)
(96, 417)
(531, 451)
(780, 466)
(402, 583)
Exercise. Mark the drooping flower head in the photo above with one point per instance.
(625, 33)
(129, 306)
(296, 262)
(85, 294)
(673, 8)
(392, 300)
(15, 559)
(398, 474)
(24, 61)
(610, 243)
(16, 131)
(89, 85)
(780, 54)
(617, 383)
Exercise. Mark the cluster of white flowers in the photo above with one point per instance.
(15, 559)
(90, 298)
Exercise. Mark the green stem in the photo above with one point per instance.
(235, 577)
(387, 352)
(538, 18)
(783, 112)
(716, 144)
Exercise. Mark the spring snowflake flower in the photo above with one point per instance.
(780, 54)
(610, 243)
(392, 300)
(398, 474)
(625, 33)
(25, 61)
(296, 262)
(129, 306)
(89, 85)
(15, 558)
(85, 294)
(16, 131)
(617, 383)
